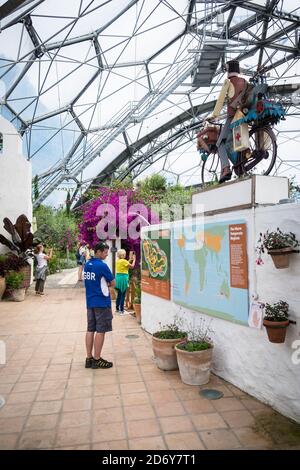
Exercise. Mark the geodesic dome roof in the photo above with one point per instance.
(106, 88)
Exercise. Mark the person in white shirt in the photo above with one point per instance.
(41, 269)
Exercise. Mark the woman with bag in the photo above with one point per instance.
(41, 270)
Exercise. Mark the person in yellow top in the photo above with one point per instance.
(122, 277)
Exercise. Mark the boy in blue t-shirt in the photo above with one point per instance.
(97, 279)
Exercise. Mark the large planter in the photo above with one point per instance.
(194, 367)
(18, 295)
(164, 352)
(137, 309)
(26, 271)
(2, 286)
(276, 330)
(281, 257)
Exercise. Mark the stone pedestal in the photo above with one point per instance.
(241, 194)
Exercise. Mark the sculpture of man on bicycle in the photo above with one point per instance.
(234, 89)
(246, 139)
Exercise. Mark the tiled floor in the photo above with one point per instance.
(52, 401)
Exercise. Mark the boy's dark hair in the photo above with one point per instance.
(101, 246)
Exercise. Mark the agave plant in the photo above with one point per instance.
(21, 237)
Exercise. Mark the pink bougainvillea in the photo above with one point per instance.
(68, 240)
(116, 210)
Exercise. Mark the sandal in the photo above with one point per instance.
(108, 362)
(101, 364)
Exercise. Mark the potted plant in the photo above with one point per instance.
(194, 356)
(137, 303)
(21, 243)
(14, 282)
(2, 276)
(279, 245)
(164, 342)
(276, 321)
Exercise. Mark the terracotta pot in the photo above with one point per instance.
(194, 367)
(281, 257)
(26, 270)
(137, 309)
(164, 352)
(276, 330)
(2, 286)
(18, 295)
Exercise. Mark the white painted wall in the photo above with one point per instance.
(15, 178)
(242, 355)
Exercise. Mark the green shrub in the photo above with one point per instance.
(72, 256)
(198, 337)
(169, 334)
(53, 265)
(171, 331)
(14, 280)
(192, 346)
(67, 263)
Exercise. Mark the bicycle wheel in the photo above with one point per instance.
(263, 149)
(211, 169)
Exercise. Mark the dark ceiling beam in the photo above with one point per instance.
(284, 60)
(262, 9)
(23, 124)
(270, 5)
(38, 48)
(23, 13)
(190, 14)
(10, 6)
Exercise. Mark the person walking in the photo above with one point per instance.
(97, 279)
(122, 277)
(41, 268)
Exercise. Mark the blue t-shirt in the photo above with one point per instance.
(96, 275)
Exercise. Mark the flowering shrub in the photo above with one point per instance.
(68, 240)
(122, 201)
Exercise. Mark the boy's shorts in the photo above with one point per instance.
(99, 319)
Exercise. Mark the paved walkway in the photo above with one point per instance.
(52, 401)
